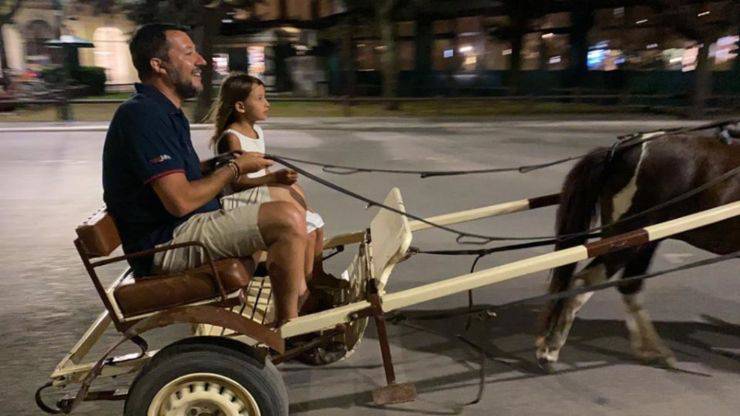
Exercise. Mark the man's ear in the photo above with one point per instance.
(157, 66)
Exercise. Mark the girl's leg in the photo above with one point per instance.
(287, 194)
(315, 247)
(297, 192)
(284, 193)
(310, 247)
(318, 252)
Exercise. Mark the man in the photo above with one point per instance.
(157, 194)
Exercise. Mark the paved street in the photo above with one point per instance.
(52, 182)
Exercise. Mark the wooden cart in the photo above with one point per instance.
(227, 363)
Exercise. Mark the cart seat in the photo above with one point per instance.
(154, 293)
(129, 300)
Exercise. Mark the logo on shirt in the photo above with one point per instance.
(160, 159)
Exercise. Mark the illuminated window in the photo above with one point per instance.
(111, 53)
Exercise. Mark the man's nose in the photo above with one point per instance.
(200, 61)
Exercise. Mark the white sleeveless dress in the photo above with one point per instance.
(260, 194)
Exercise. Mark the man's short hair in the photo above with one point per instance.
(150, 41)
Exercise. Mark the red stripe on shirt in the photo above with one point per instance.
(163, 174)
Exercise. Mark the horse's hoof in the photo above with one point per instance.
(547, 366)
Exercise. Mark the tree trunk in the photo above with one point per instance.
(702, 81)
(347, 58)
(209, 31)
(3, 58)
(517, 30)
(423, 55)
(543, 55)
(388, 60)
(581, 22)
(515, 63)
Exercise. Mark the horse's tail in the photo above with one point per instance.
(578, 201)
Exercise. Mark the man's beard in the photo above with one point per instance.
(183, 89)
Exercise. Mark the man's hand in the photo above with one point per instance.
(286, 176)
(249, 162)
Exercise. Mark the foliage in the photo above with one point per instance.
(92, 77)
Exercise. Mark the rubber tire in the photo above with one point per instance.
(262, 380)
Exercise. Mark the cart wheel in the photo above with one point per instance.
(203, 379)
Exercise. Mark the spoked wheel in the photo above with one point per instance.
(203, 379)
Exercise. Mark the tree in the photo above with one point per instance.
(382, 20)
(520, 14)
(686, 20)
(203, 16)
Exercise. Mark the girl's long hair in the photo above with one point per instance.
(235, 88)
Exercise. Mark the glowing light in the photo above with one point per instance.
(290, 29)
(448, 53)
(652, 46)
(595, 58)
(466, 49)
(549, 35)
(506, 52)
(555, 59)
(641, 21)
(704, 13)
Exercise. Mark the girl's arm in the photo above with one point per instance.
(230, 143)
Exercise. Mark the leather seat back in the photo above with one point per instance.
(99, 234)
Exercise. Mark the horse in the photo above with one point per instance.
(619, 185)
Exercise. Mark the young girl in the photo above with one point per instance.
(240, 105)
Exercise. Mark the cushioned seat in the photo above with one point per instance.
(154, 293)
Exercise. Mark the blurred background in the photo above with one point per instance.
(69, 59)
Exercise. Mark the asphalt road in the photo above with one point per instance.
(51, 182)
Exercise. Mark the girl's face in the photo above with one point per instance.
(255, 106)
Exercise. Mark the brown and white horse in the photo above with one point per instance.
(633, 180)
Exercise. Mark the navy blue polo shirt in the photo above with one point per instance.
(148, 138)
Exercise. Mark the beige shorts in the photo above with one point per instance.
(226, 233)
(258, 195)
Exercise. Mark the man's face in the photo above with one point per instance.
(183, 64)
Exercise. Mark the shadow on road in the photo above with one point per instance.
(507, 342)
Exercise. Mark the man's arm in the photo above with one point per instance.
(181, 197)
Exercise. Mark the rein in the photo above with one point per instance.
(482, 239)
(623, 142)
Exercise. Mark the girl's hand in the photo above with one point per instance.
(286, 176)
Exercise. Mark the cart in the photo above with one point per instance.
(227, 362)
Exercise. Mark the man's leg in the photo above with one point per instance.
(283, 229)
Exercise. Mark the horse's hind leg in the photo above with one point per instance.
(644, 339)
(549, 345)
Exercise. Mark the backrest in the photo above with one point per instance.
(98, 234)
(391, 238)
